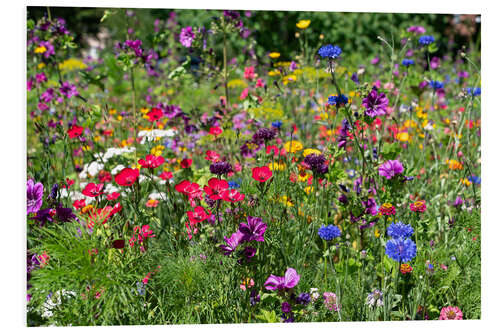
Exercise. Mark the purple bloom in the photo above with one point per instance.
(34, 196)
(48, 47)
(231, 242)
(375, 103)
(220, 168)
(254, 230)
(390, 168)
(418, 30)
(68, 90)
(286, 307)
(48, 95)
(370, 206)
(263, 134)
(458, 202)
(40, 77)
(290, 280)
(187, 36)
(316, 163)
(303, 298)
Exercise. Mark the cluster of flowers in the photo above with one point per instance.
(253, 230)
(400, 248)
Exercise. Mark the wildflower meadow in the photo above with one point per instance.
(232, 166)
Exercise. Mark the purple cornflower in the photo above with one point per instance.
(290, 280)
(264, 134)
(34, 196)
(390, 168)
(426, 40)
(401, 250)
(316, 163)
(375, 103)
(303, 298)
(68, 90)
(399, 230)
(187, 36)
(254, 230)
(329, 232)
(286, 307)
(343, 133)
(220, 168)
(231, 242)
(370, 206)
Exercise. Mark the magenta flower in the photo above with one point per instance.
(34, 196)
(390, 168)
(375, 103)
(231, 243)
(68, 90)
(186, 37)
(254, 229)
(290, 280)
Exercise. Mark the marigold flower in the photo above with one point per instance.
(274, 55)
(405, 268)
(293, 146)
(303, 24)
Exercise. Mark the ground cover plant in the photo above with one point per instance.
(178, 172)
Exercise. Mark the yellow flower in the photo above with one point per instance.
(454, 164)
(41, 65)
(284, 200)
(309, 189)
(403, 136)
(274, 72)
(72, 64)
(237, 83)
(119, 118)
(158, 150)
(409, 123)
(310, 151)
(274, 55)
(87, 208)
(277, 166)
(289, 78)
(303, 24)
(293, 146)
(41, 49)
(376, 232)
(144, 110)
(465, 181)
(112, 111)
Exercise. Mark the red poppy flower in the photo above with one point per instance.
(116, 208)
(104, 176)
(232, 196)
(165, 175)
(75, 131)
(186, 163)
(212, 156)
(93, 190)
(127, 177)
(79, 204)
(261, 174)
(215, 188)
(272, 148)
(215, 131)
(69, 183)
(113, 196)
(152, 161)
(155, 114)
(198, 215)
(187, 188)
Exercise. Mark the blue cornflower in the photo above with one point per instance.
(399, 230)
(141, 288)
(329, 232)
(475, 179)
(436, 84)
(407, 62)
(426, 40)
(474, 91)
(337, 100)
(233, 184)
(401, 250)
(329, 51)
(277, 124)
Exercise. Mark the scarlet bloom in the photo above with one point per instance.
(261, 174)
(198, 215)
(93, 190)
(232, 196)
(215, 131)
(113, 196)
(79, 204)
(186, 163)
(212, 156)
(215, 188)
(152, 161)
(127, 177)
(104, 176)
(187, 188)
(75, 131)
(165, 175)
(155, 114)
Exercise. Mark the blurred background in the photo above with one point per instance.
(276, 30)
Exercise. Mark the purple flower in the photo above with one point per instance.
(220, 168)
(34, 196)
(286, 307)
(390, 168)
(47, 96)
(68, 90)
(40, 77)
(231, 242)
(254, 230)
(458, 202)
(290, 280)
(370, 206)
(187, 36)
(375, 103)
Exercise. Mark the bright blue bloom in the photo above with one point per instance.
(233, 184)
(399, 230)
(329, 51)
(407, 62)
(475, 179)
(401, 250)
(426, 40)
(329, 232)
(277, 124)
(436, 85)
(474, 91)
(336, 100)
